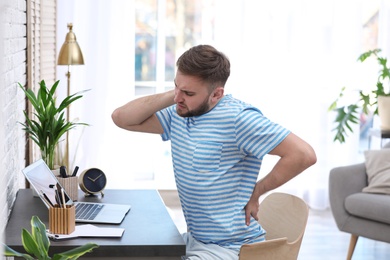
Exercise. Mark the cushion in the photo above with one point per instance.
(369, 206)
(378, 171)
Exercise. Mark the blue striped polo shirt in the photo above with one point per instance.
(216, 160)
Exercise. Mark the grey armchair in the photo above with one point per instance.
(356, 212)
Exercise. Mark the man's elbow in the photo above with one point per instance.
(117, 118)
(310, 157)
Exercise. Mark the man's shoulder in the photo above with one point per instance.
(237, 106)
(230, 102)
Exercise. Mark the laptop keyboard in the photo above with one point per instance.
(87, 211)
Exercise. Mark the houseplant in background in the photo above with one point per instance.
(36, 244)
(50, 124)
(372, 102)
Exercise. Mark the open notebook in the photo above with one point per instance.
(43, 181)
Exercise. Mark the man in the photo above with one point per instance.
(218, 144)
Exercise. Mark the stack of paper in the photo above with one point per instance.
(89, 230)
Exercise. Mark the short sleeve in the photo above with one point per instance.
(256, 134)
(165, 118)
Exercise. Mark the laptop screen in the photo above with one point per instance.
(43, 181)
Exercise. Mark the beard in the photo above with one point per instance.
(200, 110)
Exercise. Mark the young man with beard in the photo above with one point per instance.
(218, 144)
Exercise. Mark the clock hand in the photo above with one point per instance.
(90, 178)
(98, 177)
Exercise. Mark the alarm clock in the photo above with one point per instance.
(92, 181)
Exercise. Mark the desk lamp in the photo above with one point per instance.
(70, 54)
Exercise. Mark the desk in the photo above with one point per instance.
(149, 230)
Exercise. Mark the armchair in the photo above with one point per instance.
(356, 212)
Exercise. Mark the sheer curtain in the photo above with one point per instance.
(291, 62)
(289, 58)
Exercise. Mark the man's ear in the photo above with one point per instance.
(217, 94)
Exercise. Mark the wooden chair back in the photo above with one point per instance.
(284, 217)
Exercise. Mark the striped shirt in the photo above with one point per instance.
(216, 160)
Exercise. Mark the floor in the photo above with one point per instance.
(322, 239)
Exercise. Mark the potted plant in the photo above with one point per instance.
(50, 124)
(36, 244)
(367, 103)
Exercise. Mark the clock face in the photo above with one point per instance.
(93, 181)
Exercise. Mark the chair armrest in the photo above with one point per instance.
(344, 181)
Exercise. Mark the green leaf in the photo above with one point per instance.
(380, 90)
(333, 106)
(69, 100)
(30, 245)
(367, 54)
(54, 88)
(344, 117)
(37, 244)
(10, 252)
(43, 94)
(347, 115)
(30, 96)
(48, 125)
(38, 230)
(366, 102)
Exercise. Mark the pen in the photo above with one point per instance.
(63, 172)
(47, 199)
(75, 171)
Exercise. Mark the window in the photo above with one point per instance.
(164, 29)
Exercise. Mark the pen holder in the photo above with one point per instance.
(62, 220)
(70, 185)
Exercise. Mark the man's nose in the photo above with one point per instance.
(178, 97)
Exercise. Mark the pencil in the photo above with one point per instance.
(63, 198)
(58, 198)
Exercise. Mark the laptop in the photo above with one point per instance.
(43, 181)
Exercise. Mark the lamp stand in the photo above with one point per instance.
(67, 119)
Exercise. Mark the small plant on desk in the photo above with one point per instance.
(37, 245)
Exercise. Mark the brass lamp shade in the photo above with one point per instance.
(70, 53)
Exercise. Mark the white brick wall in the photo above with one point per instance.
(12, 102)
(14, 68)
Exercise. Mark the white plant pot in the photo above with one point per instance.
(384, 111)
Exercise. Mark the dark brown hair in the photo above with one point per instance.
(206, 63)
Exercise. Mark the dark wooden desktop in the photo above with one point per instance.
(149, 230)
